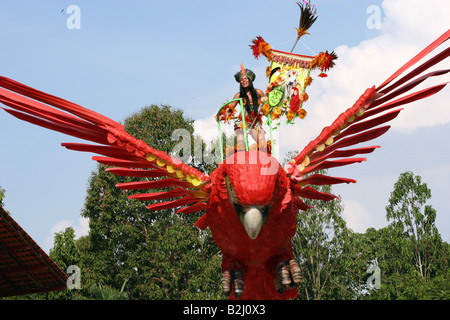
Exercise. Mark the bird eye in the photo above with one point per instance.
(231, 190)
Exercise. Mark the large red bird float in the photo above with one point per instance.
(251, 202)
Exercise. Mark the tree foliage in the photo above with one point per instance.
(413, 258)
(2, 196)
(65, 251)
(413, 223)
(320, 245)
(409, 254)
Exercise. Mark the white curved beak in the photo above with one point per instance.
(253, 221)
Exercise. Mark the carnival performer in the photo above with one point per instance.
(252, 99)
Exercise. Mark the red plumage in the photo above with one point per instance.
(257, 179)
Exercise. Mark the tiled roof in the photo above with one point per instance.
(24, 267)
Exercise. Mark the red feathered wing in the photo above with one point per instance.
(361, 123)
(130, 156)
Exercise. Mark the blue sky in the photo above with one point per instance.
(128, 54)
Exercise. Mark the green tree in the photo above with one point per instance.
(65, 252)
(378, 245)
(414, 223)
(107, 293)
(2, 196)
(412, 257)
(363, 250)
(321, 246)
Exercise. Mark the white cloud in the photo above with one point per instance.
(208, 130)
(357, 217)
(81, 229)
(415, 19)
(406, 30)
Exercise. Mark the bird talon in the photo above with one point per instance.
(226, 282)
(235, 278)
(287, 276)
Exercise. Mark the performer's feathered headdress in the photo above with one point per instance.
(249, 73)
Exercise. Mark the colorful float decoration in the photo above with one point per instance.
(289, 74)
(249, 202)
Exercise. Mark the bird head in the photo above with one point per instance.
(254, 186)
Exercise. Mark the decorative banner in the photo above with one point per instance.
(288, 78)
(289, 73)
(279, 58)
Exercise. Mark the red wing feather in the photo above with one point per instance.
(375, 108)
(436, 43)
(320, 179)
(361, 126)
(134, 158)
(174, 193)
(193, 208)
(74, 130)
(136, 173)
(59, 103)
(122, 163)
(174, 203)
(103, 150)
(332, 164)
(157, 184)
(342, 154)
(311, 193)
